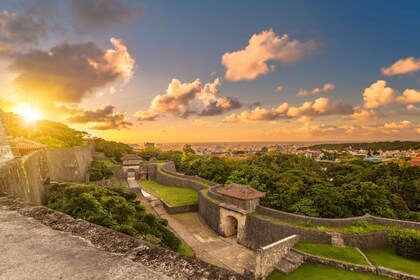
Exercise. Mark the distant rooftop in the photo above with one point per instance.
(240, 191)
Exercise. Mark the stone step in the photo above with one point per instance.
(294, 258)
(289, 262)
(285, 267)
(337, 240)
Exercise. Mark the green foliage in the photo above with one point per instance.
(406, 243)
(99, 170)
(53, 134)
(112, 149)
(113, 208)
(300, 185)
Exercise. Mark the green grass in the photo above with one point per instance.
(387, 258)
(174, 196)
(347, 230)
(185, 250)
(346, 254)
(107, 162)
(320, 272)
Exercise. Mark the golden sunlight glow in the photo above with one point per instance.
(29, 113)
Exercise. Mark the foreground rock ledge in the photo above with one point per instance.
(41, 243)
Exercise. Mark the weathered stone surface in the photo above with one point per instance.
(134, 258)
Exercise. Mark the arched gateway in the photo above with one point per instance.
(238, 200)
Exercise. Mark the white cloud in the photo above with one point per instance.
(402, 66)
(378, 94)
(409, 96)
(251, 62)
(325, 88)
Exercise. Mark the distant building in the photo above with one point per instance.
(149, 144)
(264, 150)
(415, 161)
(131, 164)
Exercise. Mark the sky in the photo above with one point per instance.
(203, 71)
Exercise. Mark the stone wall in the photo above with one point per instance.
(268, 256)
(156, 258)
(209, 210)
(367, 241)
(343, 222)
(260, 232)
(180, 209)
(25, 177)
(166, 175)
(395, 274)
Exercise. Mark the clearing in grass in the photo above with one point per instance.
(345, 254)
(387, 258)
(174, 196)
(321, 272)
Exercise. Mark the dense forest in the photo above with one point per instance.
(374, 146)
(113, 208)
(300, 185)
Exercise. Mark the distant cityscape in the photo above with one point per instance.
(245, 149)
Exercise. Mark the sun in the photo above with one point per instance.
(29, 113)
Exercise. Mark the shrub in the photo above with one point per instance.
(406, 243)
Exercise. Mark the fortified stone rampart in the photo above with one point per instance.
(166, 175)
(260, 231)
(339, 222)
(26, 177)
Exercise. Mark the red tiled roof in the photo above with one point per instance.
(415, 161)
(239, 191)
(131, 157)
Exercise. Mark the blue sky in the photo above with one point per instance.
(186, 40)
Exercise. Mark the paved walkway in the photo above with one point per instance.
(30, 250)
(207, 245)
(132, 183)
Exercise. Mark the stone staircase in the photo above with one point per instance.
(336, 239)
(289, 262)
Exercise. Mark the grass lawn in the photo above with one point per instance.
(387, 258)
(346, 254)
(321, 272)
(107, 162)
(185, 250)
(174, 196)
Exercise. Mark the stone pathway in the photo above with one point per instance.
(207, 245)
(289, 262)
(31, 250)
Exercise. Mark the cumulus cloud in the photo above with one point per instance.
(251, 62)
(402, 66)
(103, 118)
(325, 88)
(70, 72)
(186, 99)
(362, 115)
(409, 96)
(101, 14)
(378, 94)
(279, 88)
(18, 30)
(320, 107)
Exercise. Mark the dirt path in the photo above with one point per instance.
(207, 245)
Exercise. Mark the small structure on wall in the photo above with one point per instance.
(238, 201)
(131, 165)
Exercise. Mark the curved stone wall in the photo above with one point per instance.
(343, 222)
(25, 177)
